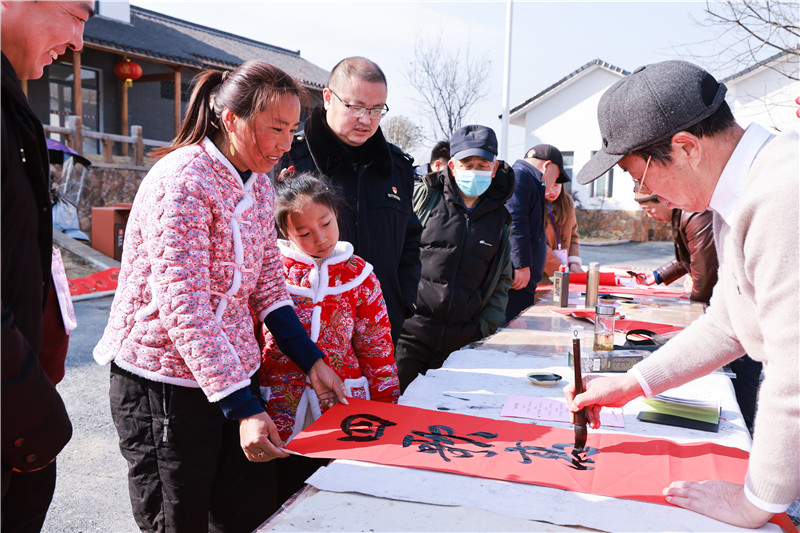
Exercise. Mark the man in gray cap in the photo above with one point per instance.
(668, 126)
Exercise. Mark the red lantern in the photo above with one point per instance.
(128, 70)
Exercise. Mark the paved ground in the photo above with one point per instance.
(91, 493)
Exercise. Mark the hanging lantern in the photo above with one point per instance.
(128, 70)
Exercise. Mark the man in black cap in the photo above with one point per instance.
(466, 271)
(540, 170)
(668, 125)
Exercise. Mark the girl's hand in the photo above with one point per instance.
(259, 438)
(326, 384)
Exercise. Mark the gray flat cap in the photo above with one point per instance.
(652, 104)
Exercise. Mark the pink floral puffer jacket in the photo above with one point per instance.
(199, 247)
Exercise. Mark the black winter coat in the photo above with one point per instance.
(457, 251)
(35, 425)
(379, 220)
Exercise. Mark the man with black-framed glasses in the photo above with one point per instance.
(343, 140)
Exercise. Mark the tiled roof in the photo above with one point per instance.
(756, 66)
(566, 78)
(169, 39)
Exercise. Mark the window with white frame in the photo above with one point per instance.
(603, 187)
(569, 163)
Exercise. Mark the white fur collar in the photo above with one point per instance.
(341, 253)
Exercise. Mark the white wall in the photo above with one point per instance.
(767, 96)
(115, 9)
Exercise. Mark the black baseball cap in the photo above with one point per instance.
(473, 140)
(650, 105)
(548, 152)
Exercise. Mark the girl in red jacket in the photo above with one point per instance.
(339, 300)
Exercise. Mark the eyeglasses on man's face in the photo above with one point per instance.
(357, 111)
(638, 184)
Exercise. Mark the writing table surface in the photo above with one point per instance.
(358, 496)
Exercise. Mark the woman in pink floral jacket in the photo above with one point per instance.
(338, 299)
(199, 253)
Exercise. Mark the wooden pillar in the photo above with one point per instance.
(124, 106)
(177, 105)
(75, 123)
(77, 96)
(136, 131)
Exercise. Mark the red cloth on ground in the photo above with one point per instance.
(97, 282)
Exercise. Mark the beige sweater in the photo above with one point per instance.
(755, 309)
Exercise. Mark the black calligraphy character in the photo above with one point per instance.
(364, 427)
(441, 440)
(557, 451)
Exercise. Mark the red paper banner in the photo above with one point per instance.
(621, 466)
(619, 289)
(621, 324)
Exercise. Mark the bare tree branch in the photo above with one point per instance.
(762, 27)
(449, 82)
(401, 131)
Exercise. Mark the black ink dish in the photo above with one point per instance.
(544, 380)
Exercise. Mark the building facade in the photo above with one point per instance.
(169, 51)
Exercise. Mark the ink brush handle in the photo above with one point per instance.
(580, 416)
(576, 360)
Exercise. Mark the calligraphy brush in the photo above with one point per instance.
(580, 416)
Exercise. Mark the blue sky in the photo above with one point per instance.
(549, 39)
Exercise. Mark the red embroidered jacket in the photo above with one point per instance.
(341, 305)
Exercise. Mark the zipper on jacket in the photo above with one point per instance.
(165, 408)
(358, 169)
(453, 282)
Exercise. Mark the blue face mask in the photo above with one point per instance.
(473, 182)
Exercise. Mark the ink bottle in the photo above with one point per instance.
(592, 283)
(604, 328)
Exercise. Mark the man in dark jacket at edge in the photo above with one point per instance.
(696, 255)
(343, 140)
(35, 424)
(695, 252)
(541, 169)
(466, 267)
